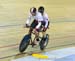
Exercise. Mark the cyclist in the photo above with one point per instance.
(45, 22)
(36, 24)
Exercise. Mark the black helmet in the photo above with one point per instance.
(33, 10)
(41, 9)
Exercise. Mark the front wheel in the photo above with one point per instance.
(44, 42)
(24, 43)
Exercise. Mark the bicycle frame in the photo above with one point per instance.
(34, 37)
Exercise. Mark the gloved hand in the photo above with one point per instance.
(44, 28)
(26, 25)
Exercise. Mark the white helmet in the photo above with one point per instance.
(33, 10)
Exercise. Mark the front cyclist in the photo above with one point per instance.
(36, 24)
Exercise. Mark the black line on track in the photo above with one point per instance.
(33, 51)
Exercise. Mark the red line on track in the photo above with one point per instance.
(50, 39)
(9, 45)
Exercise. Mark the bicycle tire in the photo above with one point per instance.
(24, 43)
(42, 42)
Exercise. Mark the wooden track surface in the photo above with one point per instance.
(13, 14)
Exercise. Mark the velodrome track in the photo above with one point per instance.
(12, 19)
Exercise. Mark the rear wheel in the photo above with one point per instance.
(44, 42)
(24, 43)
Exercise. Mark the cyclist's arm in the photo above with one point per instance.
(46, 23)
(39, 18)
(46, 20)
(28, 19)
(39, 24)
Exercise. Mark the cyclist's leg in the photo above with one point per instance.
(37, 36)
(33, 25)
(44, 31)
(36, 31)
(36, 39)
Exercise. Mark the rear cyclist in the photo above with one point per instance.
(45, 22)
